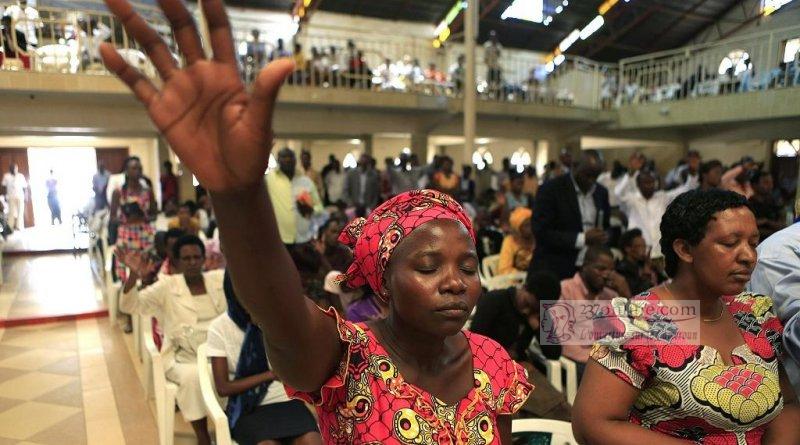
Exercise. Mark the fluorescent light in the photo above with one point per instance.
(550, 67)
(440, 28)
(559, 8)
(569, 40)
(559, 59)
(355, 141)
(592, 27)
(528, 10)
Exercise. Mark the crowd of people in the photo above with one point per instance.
(370, 331)
(578, 233)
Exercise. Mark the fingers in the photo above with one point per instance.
(184, 28)
(146, 36)
(219, 30)
(141, 86)
(265, 91)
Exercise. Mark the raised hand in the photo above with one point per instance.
(139, 263)
(222, 133)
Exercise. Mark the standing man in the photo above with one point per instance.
(52, 199)
(313, 175)
(99, 184)
(640, 199)
(27, 20)
(363, 185)
(571, 213)
(169, 185)
(295, 200)
(16, 189)
(491, 57)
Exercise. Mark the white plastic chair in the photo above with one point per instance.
(556, 369)
(505, 281)
(165, 393)
(560, 430)
(222, 433)
(489, 265)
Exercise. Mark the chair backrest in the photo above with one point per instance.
(561, 431)
(504, 281)
(489, 265)
(210, 400)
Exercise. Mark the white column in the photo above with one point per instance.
(470, 91)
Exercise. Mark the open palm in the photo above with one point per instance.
(222, 133)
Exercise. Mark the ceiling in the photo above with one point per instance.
(632, 28)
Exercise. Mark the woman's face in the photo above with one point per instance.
(526, 230)
(726, 256)
(134, 169)
(191, 260)
(432, 278)
(331, 234)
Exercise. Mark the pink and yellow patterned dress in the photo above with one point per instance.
(369, 402)
(687, 391)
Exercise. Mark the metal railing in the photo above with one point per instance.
(737, 65)
(67, 40)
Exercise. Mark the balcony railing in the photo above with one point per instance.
(68, 36)
(733, 66)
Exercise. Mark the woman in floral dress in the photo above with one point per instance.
(664, 381)
(412, 378)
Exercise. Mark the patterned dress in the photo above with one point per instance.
(139, 236)
(687, 391)
(369, 402)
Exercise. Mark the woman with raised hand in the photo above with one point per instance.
(413, 377)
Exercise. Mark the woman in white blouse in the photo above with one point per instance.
(185, 305)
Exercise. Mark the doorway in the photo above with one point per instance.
(72, 168)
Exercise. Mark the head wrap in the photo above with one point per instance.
(373, 239)
(519, 216)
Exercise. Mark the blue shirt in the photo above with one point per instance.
(777, 275)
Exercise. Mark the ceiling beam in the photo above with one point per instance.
(651, 43)
(402, 8)
(594, 49)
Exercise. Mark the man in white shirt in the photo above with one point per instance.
(26, 19)
(16, 187)
(640, 199)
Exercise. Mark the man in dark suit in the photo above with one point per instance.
(362, 187)
(571, 212)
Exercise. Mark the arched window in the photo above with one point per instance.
(738, 60)
(787, 149)
(521, 159)
(482, 158)
(350, 161)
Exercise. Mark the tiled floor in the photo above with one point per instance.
(41, 286)
(68, 383)
(46, 238)
(71, 383)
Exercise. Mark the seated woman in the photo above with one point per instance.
(660, 381)
(517, 249)
(636, 266)
(259, 411)
(412, 377)
(185, 304)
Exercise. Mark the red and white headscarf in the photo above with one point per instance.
(373, 239)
